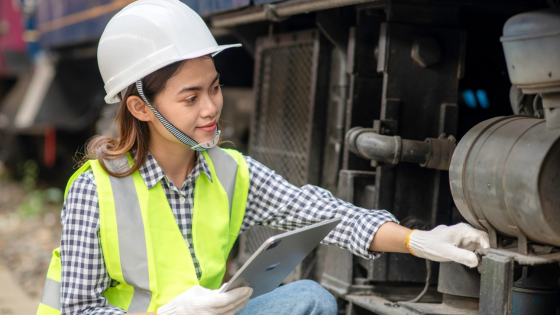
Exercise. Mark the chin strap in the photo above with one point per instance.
(200, 147)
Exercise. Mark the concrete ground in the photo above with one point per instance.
(13, 301)
(26, 244)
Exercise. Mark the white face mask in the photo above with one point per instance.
(200, 147)
(208, 144)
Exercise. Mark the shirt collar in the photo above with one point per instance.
(152, 173)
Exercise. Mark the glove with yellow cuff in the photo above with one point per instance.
(448, 243)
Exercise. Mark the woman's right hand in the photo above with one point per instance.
(199, 300)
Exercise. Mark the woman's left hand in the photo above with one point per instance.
(448, 243)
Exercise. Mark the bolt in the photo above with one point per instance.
(426, 51)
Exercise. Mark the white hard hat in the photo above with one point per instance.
(148, 35)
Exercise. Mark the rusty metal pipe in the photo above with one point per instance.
(431, 153)
(370, 145)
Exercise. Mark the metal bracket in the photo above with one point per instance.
(492, 234)
(495, 285)
(522, 244)
(385, 127)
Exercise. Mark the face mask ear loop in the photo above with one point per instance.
(176, 132)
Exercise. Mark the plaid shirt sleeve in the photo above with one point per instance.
(274, 202)
(84, 276)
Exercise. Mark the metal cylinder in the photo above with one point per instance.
(531, 43)
(530, 302)
(505, 175)
(536, 291)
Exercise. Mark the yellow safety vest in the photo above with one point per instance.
(143, 248)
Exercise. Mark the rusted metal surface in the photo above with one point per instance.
(441, 151)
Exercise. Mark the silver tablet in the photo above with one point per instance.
(277, 257)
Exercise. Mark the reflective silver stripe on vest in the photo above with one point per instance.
(130, 226)
(132, 240)
(51, 294)
(225, 167)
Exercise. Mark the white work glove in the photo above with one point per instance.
(448, 243)
(199, 300)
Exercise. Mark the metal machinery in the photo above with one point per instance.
(504, 179)
(403, 105)
(363, 97)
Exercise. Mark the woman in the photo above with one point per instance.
(150, 218)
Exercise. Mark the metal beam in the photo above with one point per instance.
(282, 10)
(496, 284)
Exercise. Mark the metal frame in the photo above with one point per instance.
(314, 145)
(318, 94)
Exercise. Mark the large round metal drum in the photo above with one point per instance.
(505, 174)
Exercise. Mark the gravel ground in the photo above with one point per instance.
(27, 241)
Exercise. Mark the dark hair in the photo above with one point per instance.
(133, 135)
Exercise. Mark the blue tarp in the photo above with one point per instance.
(209, 7)
(71, 22)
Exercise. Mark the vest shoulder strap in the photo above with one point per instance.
(241, 193)
(74, 176)
(225, 168)
(119, 165)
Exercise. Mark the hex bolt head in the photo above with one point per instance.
(426, 51)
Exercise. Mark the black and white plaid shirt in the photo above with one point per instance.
(272, 201)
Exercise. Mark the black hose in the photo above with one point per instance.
(426, 286)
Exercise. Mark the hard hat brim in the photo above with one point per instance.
(112, 97)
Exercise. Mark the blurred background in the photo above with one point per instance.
(51, 103)
(309, 72)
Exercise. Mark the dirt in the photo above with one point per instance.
(26, 244)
